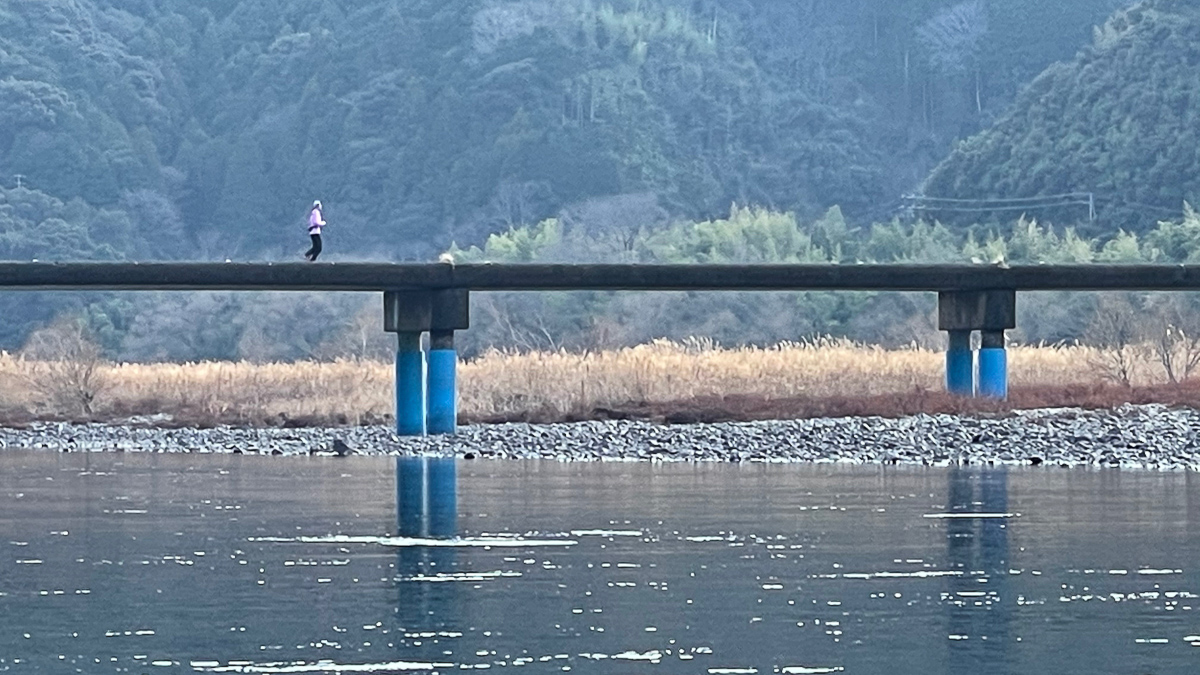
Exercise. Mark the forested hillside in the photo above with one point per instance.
(158, 129)
(204, 129)
(1122, 121)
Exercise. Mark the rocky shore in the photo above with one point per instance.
(1144, 437)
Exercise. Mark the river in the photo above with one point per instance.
(143, 563)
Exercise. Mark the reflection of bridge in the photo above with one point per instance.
(433, 298)
(980, 614)
(427, 509)
(426, 497)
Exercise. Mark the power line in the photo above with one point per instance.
(998, 200)
(924, 204)
(1116, 201)
(985, 209)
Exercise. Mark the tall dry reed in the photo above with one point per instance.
(504, 384)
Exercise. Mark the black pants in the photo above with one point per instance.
(315, 251)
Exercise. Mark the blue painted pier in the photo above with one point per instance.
(432, 299)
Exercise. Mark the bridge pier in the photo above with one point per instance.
(993, 365)
(426, 386)
(409, 314)
(451, 312)
(960, 364)
(991, 313)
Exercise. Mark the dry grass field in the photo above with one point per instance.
(673, 382)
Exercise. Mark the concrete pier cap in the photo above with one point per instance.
(426, 384)
(991, 312)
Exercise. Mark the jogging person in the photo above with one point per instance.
(315, 223)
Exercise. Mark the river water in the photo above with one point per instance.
(133, 563)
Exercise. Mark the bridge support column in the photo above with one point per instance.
(408, 315)
(991, 312)
(451, 312)
(410, 385)
(960, 364)
(993, 365)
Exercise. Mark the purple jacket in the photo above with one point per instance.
(315, 221)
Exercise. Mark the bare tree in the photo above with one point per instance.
(362, 338)
(1118, 332)
(499, 22)
(953, 39)
(1175, 336)
(66, 365)
(517, 204)
(616, 220)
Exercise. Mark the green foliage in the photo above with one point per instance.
(417, 122)
(1122, 120)
(1175, 241)
(751, 235)
(142, 129)
(518, 245)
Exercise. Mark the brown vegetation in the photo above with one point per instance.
(663, 381)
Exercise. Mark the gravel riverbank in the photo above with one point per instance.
(1150, 436)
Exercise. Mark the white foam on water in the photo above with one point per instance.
(919, 574)
(732, 671)
(805, 670)
(606, 533)
(653, 656)
(33, 561)
(1191, 638)
(1153, 571)
(416, 542)
(324, 666)
(953, 516)
(462, 576)
(707, 538)
(1152, 641)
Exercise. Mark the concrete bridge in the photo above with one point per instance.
(433, 298)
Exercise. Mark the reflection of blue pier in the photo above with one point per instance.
(427, 508)
(426, 497)
(980, 614)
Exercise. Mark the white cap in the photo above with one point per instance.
(317, 204)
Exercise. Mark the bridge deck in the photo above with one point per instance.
(613, 277)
